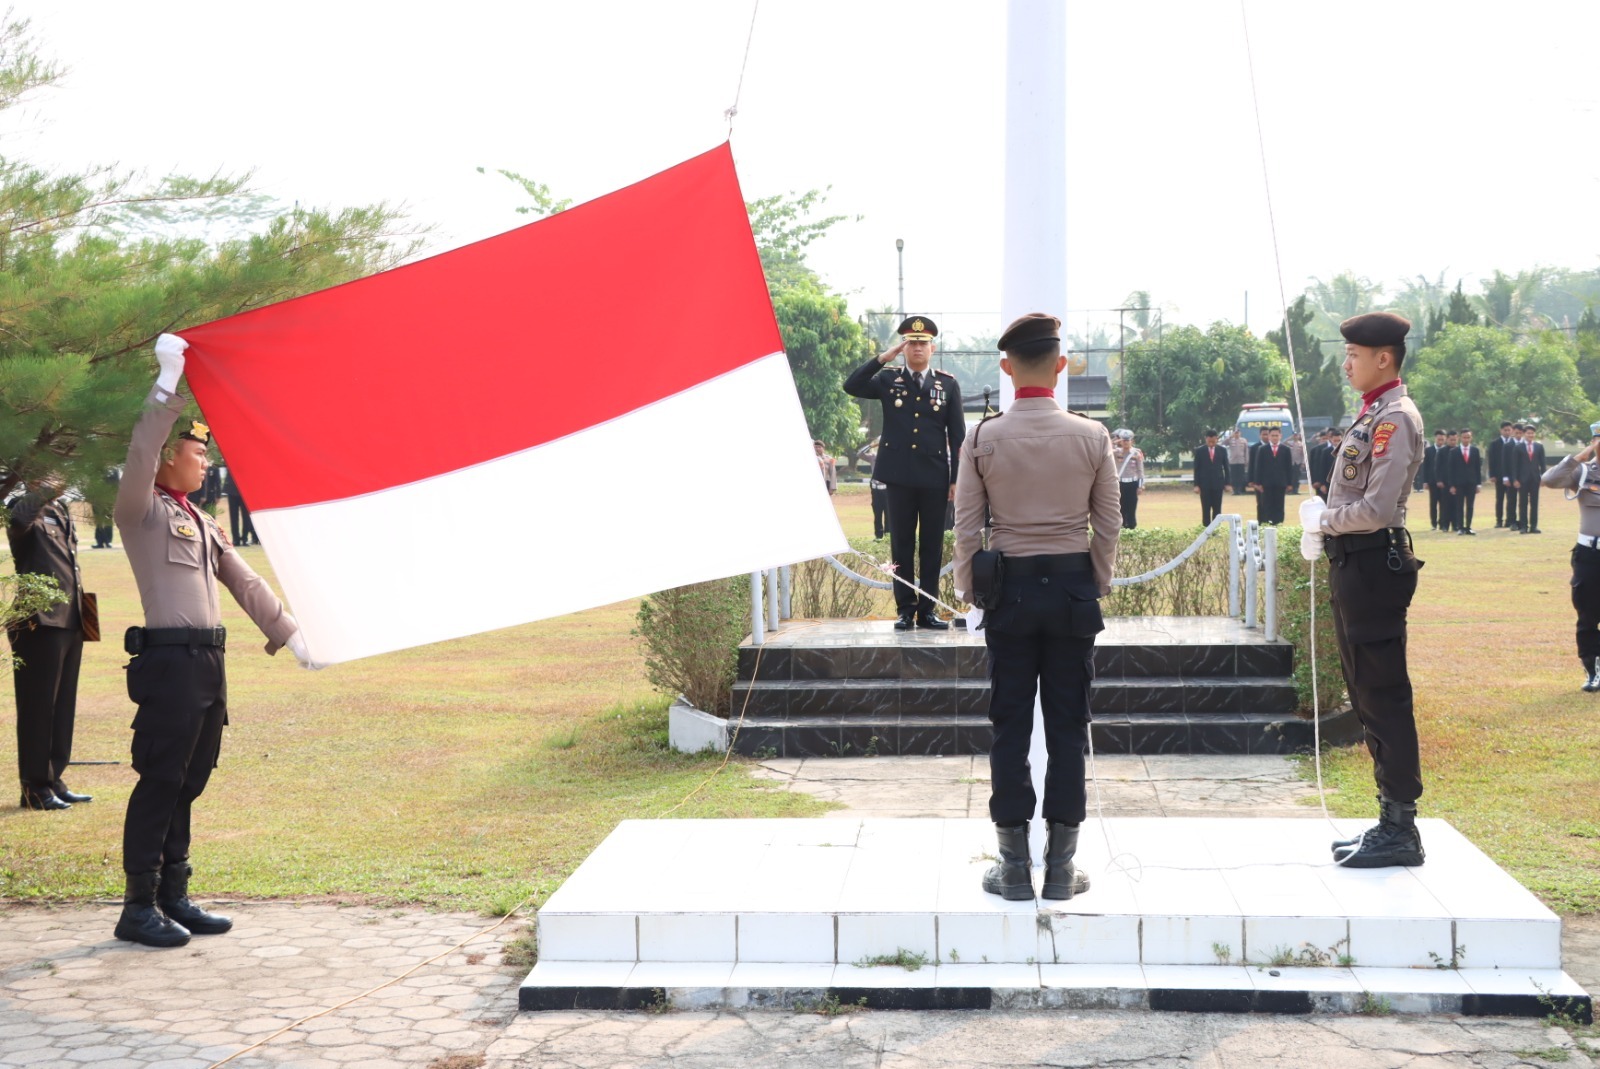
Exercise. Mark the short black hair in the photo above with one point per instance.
(1465, 430)
(1032, 355)
(1399, 351)
(1209, 434)
(1506, 423)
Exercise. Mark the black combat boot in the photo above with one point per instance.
(1012, 876)
(1061, 879)
(174, 900)
(1393, 842)
(1591, 667)
(141, 922)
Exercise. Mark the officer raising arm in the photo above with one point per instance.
(1580, 474)
(179, 556)
(1373, 578)
(1048, 482)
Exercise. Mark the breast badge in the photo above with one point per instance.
(1349, 471)
(186, 530)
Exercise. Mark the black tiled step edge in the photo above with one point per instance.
(944, 736)
(969, 660)
(885, 698)
(1182, 1000)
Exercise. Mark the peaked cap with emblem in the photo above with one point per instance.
(1035, 326)
(1376, 329)
(917, 328)
(196, 432)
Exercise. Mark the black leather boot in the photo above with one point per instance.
(1061, 878)
(141, 922)
(65, 795)
(1591, 666)
(174, 900)
(1394, 841)
(1012, 876)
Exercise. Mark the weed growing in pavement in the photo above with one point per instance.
(521, 952)
(901, 958)
(830, 1006)
(660, 1003)
(1223, 952)
(1374, 1005)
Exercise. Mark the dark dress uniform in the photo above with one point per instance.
(1047, 481)
(1430, 466)
(1526, 463)
(1584, 480)
(1497, 468)
(50, 646)
(1463, 474)
(1273, 471)
(1371, 582)
(922, 430)
(179, 558)
(1211, 476)
(1319, 463)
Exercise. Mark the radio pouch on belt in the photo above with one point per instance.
(988, 576)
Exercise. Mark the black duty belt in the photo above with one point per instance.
(184, 636)
(1396, 540)
(1048, 564)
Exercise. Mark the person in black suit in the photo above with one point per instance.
(1319, 463)
(1464, 473)
(1527, 468)
(922, 431)
(1430, 464)
(1440, 481)
(1210, 476)
(1271, 473)
(48, 645)
(244, 532)
(1497, 451)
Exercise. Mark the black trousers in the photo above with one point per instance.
(1586, 599)
(1466, 500)
(1447, 510)
(47, 700)
(182, 694)
(239, 520)
(880, 511)
(1528, 505)
(1210, 503)
(1041, 642)
(1433, 506)
(1269, 504)
(1130, 505)
(1369, 621)
(1503, 493)
(1236, 479)
(916, 520)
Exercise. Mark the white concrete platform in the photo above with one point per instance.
(1197, 913)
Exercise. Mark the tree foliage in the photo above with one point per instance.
(1477, 376)
(93, 266)
(1321, 381)
(1193, 379)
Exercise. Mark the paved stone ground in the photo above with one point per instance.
(72, 996)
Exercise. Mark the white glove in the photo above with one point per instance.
(169, 354)
(1311, 510)
(974, 619)
(297, 646)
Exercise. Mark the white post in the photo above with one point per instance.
(1034, 275)
(1235, 547)
(1251, 564)
(1270, 565)
(757, 633)
(772, 599)
(786, 583)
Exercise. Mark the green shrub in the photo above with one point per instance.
(1197, 587)
(1294, 624)
(691, 636)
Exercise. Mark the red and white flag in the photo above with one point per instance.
(589, 408)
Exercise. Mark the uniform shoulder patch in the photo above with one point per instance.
(1381, 435)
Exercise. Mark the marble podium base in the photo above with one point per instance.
(1186, 914)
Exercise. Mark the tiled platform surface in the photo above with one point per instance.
(1201, 914)
(832, 688)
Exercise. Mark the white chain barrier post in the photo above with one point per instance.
(786, 584)
(757, 632)
(772, 599)
(1235, 551)
(1269, 562)
(1251, 569)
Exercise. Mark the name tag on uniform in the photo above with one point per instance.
(52, 521)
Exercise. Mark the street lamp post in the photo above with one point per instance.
(900, 253)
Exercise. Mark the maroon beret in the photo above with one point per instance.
(1376, 329)
(1035, 326)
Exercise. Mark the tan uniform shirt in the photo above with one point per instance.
(1376, 461)
(1585, 479)
(1046, 478)
(1130, 465)
(178, 560)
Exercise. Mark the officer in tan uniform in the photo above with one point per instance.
(1373, 577)
(1579, 475)
(1048, 482)
(179, 556)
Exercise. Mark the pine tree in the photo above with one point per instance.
(1460, 310)
(94, 266)
(1321, 387)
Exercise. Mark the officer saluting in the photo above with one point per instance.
(178, 555)
(1580, 474)
(1045, 477)
(922, 430)
(1373, 577)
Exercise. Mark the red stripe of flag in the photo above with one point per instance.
(492, 348)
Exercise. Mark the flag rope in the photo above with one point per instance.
(733, 109)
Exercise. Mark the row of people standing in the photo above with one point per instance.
(1453, 472)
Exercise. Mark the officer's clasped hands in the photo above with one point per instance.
(1311, 510)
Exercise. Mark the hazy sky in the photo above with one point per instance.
(1403, 136)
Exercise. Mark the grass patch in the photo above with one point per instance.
(471, 774)
(900, 959)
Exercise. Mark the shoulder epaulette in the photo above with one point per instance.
(942, 371)
(1075, 412)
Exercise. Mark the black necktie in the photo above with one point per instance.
(919, 381)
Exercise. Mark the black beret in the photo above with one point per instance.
(1035, 326)
(1376, 329)
(196, 432)
(918, 328)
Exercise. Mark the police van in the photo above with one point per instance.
(1253, 419)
